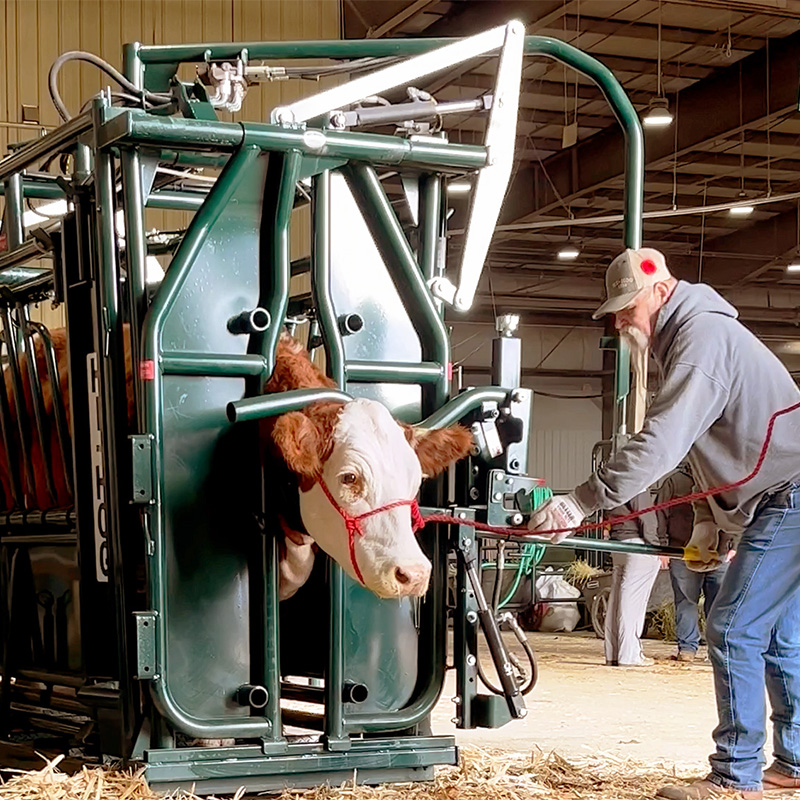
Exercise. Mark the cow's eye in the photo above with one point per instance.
(349, 478)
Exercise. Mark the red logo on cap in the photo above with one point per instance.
(649, 267)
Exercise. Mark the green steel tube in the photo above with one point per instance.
(214, 365)
(134, 127)
(626, 116)
(402, 266)
(462, 404)
(14, 228)
(83, 162)
(394, 372)
(136, 255)
(581, 543)
(321, 277)
(335, 729)
(39, 189)
(184, 259)
(376, 48)
(430, 224)
(270, 405)
(23, 253)
(275, 252)
(53, 142)
(132, 65)
(179, 201)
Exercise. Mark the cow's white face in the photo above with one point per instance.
(367, 460)
(371, 464)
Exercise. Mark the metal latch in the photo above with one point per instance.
(142, 456)
(145, 645)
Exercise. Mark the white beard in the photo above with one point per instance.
(639, 344)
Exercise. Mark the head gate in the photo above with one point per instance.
(152, 426)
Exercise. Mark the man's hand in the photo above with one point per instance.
(563, 511)
(701, 554)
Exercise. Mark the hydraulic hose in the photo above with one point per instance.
(101, 64)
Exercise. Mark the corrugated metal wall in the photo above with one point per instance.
(33, 33)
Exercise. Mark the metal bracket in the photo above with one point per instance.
(145, 645)
(142, 457)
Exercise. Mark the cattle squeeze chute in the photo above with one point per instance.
(147, 528)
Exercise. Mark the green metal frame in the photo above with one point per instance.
(105, 135)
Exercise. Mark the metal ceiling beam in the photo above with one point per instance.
(641, 30)
(708, 109)
(402, 16)
(741, 254)
(467, 18)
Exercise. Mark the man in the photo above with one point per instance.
(632, 581)
(720, 386)
(675, 529)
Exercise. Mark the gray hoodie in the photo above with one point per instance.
(720, 385)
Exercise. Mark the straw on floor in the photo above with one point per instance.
(482, 775)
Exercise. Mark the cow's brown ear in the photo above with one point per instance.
(437, 449)
(298, 440)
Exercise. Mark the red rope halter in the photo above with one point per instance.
(353, 523)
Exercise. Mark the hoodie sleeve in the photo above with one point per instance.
(689, 402)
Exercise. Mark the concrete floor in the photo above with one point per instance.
(662, 713)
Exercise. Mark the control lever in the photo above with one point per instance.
(491, 630)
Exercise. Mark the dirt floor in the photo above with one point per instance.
(662, 713)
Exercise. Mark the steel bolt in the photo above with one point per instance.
(454, 720)
(497, 497)
(515, 519)
(456, 700)
(471, 661)
(462, 515)
(474, 493)
(467, 544)
(514, 463)
(509, 481)
(472, 617)
(523, 712)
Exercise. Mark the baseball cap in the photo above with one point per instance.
(629, 274)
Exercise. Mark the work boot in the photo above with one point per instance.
(686, 656)
(775, 781)
(706, 790)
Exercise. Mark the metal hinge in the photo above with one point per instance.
(146, 645)
(142, 455)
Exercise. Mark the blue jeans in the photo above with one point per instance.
(753, 638)
(687, 586)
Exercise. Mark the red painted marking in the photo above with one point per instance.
(649, 267)
(449, 370)
(147, 370)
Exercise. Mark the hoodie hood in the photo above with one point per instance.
(687, 301)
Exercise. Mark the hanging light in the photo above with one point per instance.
(793, 267)
(568, 253)
(742, 208)
(658, 114)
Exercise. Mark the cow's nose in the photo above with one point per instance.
(412, 579)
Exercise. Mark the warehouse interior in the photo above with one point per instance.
(716, 87)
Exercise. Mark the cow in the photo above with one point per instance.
(348, 460)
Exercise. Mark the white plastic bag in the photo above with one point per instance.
(556, 616)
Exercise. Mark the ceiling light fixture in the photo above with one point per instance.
(742, 209)
(658, 114)
(568, 253)
(793, 268)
